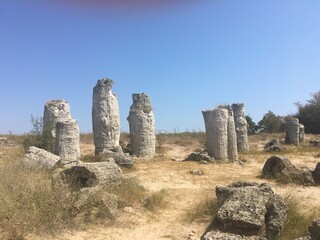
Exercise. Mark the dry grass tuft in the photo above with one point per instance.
(156, 200)
(203, 211)
(299, 218)
(28, 203)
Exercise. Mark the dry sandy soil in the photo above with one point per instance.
(167, 171)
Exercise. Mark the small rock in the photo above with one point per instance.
(203, 162)
(196, 172)
(128, 209)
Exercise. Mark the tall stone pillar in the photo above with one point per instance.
(232, 136)
(105, 117)
(106, 123)
(301, 133)
(142, 126)
(241, 127)
(292, 131)
(216, 124)
(68, 140)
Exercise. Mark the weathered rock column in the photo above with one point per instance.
(241, 127)
(232, 136)
(54, 111)
(216, 124)
(105, 117)
(301, 133)
(142, 126)
(68, 140)
(292, 131)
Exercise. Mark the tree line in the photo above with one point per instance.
(308, 115)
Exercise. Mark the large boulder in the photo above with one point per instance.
(314, 229)
(280, 168)
(37, 158)
(199, 156)
(316, 174)
(273, 145)
(250, 209)
(104, 174)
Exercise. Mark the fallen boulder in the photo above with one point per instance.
(105, 174)
(217, 235)
(37, 158)
(316, 174)
(199, 156)
(249, 209)
(314, 229)
(281, 169)
(273, 145)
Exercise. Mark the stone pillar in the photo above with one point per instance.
(301, 133)
(241, 127)
(292, 131)
(142, 126)
(68, 140)
(232, 136)
(105, 118)
(54, 111)
(216, 124)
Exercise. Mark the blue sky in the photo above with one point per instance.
(186, 55)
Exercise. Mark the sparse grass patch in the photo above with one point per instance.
(298, 220)
(156, 200)
(130, 191)
(28, 204)
(202, 211)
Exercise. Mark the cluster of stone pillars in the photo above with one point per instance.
(294, 132)
(58, 123)
(106, 122)
(226, 131)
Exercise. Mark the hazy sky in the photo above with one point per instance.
(187, 55)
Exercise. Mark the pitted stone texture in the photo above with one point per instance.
(216, 124)
(142, 126)
(248, 208)
(37, 158)
(314, 229)
(55, 111)
(217, 235)
(280, 168)
(232, 136)
(241, 126)
(83, 175)
(68, 140)
(105, 117)
(292, 131)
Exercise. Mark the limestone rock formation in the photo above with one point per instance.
(37, 158)
(220, 133)
(142, 126)
(314, 231)
(301, 133)
(217, 235)
(106, 123)
(105, 117)
(241, 126)
(250, 209)
(283, 170)
(292, 132)
(316, 174)
(273, 145)
(199, 156)
(54, 111)
(68, 140)
(104, 174)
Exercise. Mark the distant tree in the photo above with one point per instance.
(252, 126)
(270, 123)
(309, 114)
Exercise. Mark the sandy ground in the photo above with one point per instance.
(167, 171)
(185, 190)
